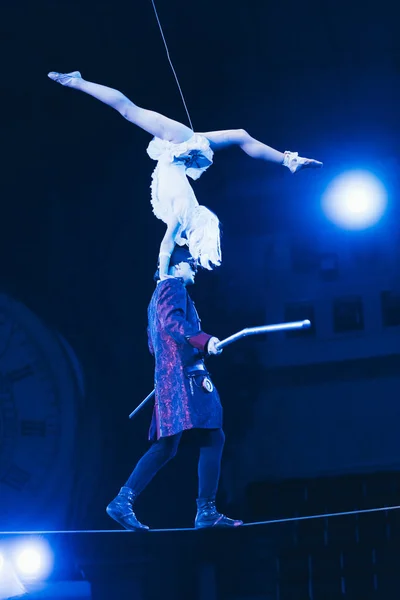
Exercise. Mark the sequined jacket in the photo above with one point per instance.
(176, 341)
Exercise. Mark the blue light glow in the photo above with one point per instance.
(355, 200)
(33, 560)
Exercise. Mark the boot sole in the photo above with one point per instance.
(218, 526)
(120, 522)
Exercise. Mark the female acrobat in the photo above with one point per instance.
(181, 153)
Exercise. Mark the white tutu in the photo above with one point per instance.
(173, 196)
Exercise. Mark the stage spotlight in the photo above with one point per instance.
(355, 200)
(33, 560)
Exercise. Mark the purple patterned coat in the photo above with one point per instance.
(176, 341)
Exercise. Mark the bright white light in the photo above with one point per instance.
(355, 200)
(29, 562)
(1, 561)
(33, 560)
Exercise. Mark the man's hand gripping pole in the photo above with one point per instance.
(237, 336)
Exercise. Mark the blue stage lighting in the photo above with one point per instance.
(355, 200)
(33, 560)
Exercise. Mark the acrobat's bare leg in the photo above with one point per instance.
(256, 149)
(154, 123)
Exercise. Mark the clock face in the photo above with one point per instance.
(38, 397)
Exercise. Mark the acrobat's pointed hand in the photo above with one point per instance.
(295, 163)
(67, 79)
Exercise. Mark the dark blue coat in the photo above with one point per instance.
(177, 341)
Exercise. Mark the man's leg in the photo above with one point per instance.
(159, 453)
(120, 509)
(209, 468)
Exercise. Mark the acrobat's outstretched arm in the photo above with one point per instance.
(154, 123)
(256, 149)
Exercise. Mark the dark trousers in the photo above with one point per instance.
(210, 442)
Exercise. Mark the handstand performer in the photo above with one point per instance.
(181, 153)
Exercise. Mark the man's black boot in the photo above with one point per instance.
(120, 509)
(208, 516)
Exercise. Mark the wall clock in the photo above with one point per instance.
(39, 396)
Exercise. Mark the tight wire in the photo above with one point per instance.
(172, 66)
(271, 522)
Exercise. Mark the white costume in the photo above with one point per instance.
(173, 196)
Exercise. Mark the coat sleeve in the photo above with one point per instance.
(172, 315)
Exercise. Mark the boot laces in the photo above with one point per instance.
(211, 508)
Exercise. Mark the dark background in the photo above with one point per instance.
(78, 239)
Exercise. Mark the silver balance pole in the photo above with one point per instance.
(237, 336)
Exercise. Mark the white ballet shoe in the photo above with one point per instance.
(67, 79)
(295, 163)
